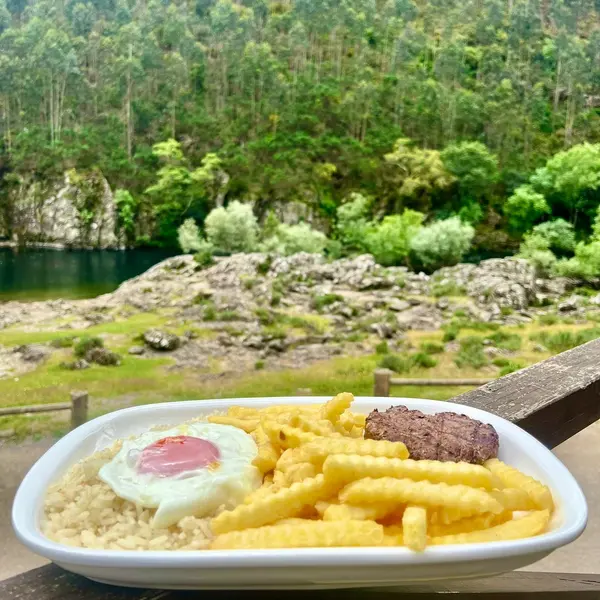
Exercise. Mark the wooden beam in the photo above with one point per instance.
(553, 400)
(52, 583)
(442, 382)
(382, 382)
(79, 411)
(36, 408)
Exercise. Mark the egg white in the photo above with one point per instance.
(197, 492)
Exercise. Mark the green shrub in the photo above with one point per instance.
(501, 362)
(62, 342)
(389, 241)
(505, 311)
(352, 224)
(506, 341)
(432, 347)
(549, 319)
(559, 235)
(471, 353)
(265, 317)
(227, 315)
(85, 344)
(204, 257)
(382, 348)
(448, 288)
(441, 244)
(584, 265)
(511, 367)
(562, 341)
(188, 236)
(422, 359)
(396, 363)
(320, 302)
(460, 313)
(264, 267)
(450, 333)
(259, 364)
(275, 299)
(290, 239)
(275, 332)
(232, 229)
(524, 208)
(536, 250)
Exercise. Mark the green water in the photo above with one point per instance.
(40, 274)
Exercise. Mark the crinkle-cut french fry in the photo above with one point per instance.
(320, 448)
(351, 512)
(268, 479)
(333, 409)
(414, 527)
(243, 412)
(528, 526)
(299, 472)
(423, 493)
(289, 457)
(319, 427)
(312, 534)
(279, 479)
(268, 454)
(513, 478)
(293, 521)
(284, 503)
(357, 432)
(467, 525)
(285, 436)
(393, 535)
(247, 425)
(444, 515)
(291, 408)
(322, 505)
(514, 499)
(349, 467)
(261, 492)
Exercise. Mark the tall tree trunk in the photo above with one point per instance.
(128, 115)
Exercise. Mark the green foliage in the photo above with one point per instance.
(396, 363)
(446, 288)
(204, 256)
(511, 367)
(324, 300)
(441, 244)
(127, 208)
(535, 249)
(471, 353)
(559, 235)
(232, 229)
(352, 224)
(501, 362)
(62, 342)
(549, 319)
(524, 208)
(382, 348)
(506, 341)
(390, 240)
(585, 265)
(290, 239)
(423, 360)
(451, 332)
(259, 365)
(561, 341)
(188, 236)
(432, 348)
(85, 344)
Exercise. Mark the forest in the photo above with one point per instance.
(483, 114)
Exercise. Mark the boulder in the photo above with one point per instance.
(76, 365)
(398, 305)
(104, 357)
(33, 352)
(136, 350)
(161, 340)
(570, 304)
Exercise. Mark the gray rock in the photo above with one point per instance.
(424, 317)
(104, 357)
(384, 330)
(277, 345)
(398, 305)
(443, 303)
(570, 304)
(161, 340)
(76, 365)
(254, 341)
(137, 350)
(32, 352)
(595, 300)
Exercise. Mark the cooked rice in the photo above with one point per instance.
(83, 511)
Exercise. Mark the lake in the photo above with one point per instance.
(43, 274)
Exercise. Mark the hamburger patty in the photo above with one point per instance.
(444, 436)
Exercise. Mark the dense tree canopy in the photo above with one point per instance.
(439, 106)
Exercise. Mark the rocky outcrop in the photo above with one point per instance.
(79, 212)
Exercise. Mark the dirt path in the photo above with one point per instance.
(580, 454)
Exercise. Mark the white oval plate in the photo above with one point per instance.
(302, 568)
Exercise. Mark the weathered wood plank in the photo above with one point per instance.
(35, 408)
(553, 400)
(52, 583)
(441, 382)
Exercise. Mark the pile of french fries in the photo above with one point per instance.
(326, 486)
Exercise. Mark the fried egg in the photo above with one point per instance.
(190, 470)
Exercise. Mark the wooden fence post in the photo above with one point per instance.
(79, 408)
(382, 382)
(303, 392)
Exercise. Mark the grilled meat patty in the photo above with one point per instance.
(444, 436)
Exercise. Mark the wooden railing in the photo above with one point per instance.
(384, 379)
(78, 407)
(552, 400)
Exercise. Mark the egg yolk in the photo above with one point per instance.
(176, 454)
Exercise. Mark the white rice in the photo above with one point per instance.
(83, 511)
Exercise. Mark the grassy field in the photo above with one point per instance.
(146, 380)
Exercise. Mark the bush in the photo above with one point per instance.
(447, 288)
(259, 364)
(432, 347)
(524, 208)
(382, 348)
(535, 249)
(511, 367)
(559, 235)
(584, 265)
(450, 332)
(62, 342)
(501, 362)
(549, 319)
(320, 302)
(389, 241)
(232, 229)
(442, 244)
(506, 341)
(204, 256)
(85, 344)
(352, 224)
(290, 239)
(471, 353)
(422, 359)
(396, 363)
(188, 236)
(561, 341)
